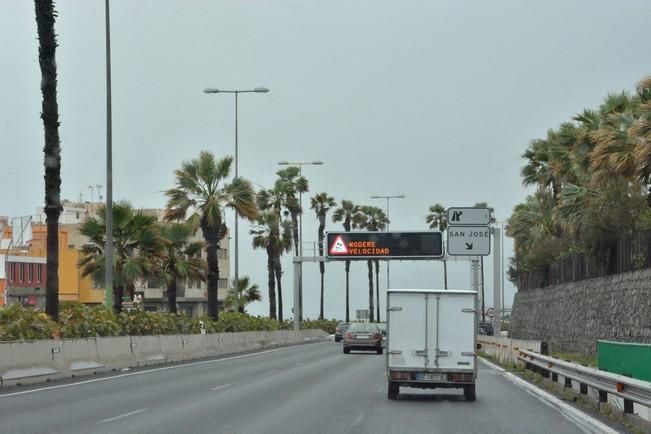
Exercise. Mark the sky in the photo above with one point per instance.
(434, 100)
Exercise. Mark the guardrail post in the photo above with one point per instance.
(584, 388)
(628, 406)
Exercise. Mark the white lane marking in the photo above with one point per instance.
(587, 423)
(492, 365)
(122, 416)
(270, 372)
(96, 380)
(357, 420)
(223, 386)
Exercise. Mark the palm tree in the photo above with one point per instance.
(137, 245)
(180, 258)
(438, 219)
(372, 219)
(202, 192)
(45, 16)
(247, 294)
(346, 214)
(276, 238)
(321, 203)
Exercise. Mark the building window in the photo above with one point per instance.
(12, 272)
(222, 283)
(38, 273)
(30, 272)
(21, 272)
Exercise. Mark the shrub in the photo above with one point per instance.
(77, 320)
(18, 323)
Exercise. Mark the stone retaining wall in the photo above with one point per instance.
(572, 316)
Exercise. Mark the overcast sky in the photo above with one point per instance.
(435, 100)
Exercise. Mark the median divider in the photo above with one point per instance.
(29, 362)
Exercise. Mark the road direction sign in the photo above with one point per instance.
(469, 240)
(461, 216)
(384, 245)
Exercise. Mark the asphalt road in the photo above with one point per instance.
(305, 389)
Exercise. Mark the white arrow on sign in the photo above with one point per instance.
(460, 216)
(469, 240)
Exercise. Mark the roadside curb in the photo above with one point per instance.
(583, 420)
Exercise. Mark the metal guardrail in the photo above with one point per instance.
(630, 389)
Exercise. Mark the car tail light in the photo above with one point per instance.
(397, 375)
(377, 335)
(348, 336)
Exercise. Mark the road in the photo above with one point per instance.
(305, 389)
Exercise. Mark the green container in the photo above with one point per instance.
(632, 360)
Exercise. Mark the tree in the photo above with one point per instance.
(346, 214)
(438, 219)
(276, 238)
(136, 242)
(321, 203)
(248, 293)
(373, 219)
(202, 192)
(180, 258)
(45, 17)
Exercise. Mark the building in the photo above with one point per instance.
(25, 269)
(191, 297)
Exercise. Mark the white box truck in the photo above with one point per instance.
(431, 340)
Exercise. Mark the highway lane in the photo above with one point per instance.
(305, 389)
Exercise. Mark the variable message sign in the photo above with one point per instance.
(384, 245)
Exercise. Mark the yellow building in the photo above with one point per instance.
(72, 286)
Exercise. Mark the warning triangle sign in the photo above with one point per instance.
(338, 247)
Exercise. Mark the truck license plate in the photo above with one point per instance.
(431, 377)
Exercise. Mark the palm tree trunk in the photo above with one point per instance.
(347, 291)
(279, 275)
(271, 282)
(171, 296)
(52, 150)
(371, 314)
(377, 289)
(118, 293)
(211, 235)
(445, 274)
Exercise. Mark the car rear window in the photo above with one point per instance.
(363, 327)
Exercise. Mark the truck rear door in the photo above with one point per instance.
(451, 331)
(406, 324)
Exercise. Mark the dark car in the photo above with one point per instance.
(340, 330)
(486, 328)
(363, 336)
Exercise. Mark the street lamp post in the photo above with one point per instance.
(108, 251)
(399, 196)
(236, 92)
(300, 165)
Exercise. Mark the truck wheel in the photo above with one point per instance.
(469, 392)
(346, 350)
(394, 390)
(380, 350)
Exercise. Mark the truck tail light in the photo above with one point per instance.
(465, 377)
(397, 375)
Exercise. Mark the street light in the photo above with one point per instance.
(211, 90)
(300, 165)
(398, 196)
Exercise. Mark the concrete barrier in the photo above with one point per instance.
(38, 361)
(505, 350)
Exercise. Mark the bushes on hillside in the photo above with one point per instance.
(77, 320)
